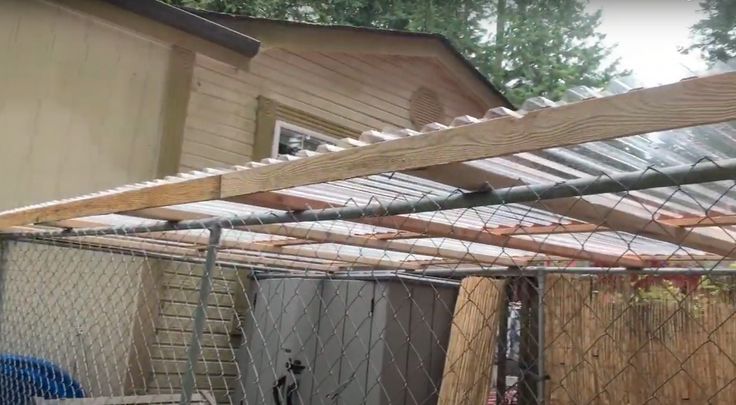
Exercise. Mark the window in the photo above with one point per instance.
(290, 139)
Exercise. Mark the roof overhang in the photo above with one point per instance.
(342, 38)
(191, 23)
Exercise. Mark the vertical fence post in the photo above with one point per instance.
(540, 339)
(503, 344)
(529, 345)
(200, 313)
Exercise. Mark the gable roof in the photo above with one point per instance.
(191, 23)
(344, 38)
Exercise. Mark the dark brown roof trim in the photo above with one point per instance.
(192, 24)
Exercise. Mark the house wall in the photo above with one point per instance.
(356, 91)
(81, 105)
(79, 315)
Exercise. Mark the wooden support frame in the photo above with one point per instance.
(692, 102)
(686, 222)
(341, 259)
(282, 201)
(150, 246)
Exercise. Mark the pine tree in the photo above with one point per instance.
(715, 35)
(547, 46)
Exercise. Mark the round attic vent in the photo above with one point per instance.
(425, 107)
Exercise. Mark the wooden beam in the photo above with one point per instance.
(282, 201)
(705, 221)
(149, 246)
(546, 230)
(202, 241)
(317, 236)
(131, 198)
(346, 259)
(687, 103)
(471, 177)
(693, 102)
(687, 222)
(466, 378)
(483, 237)
(343, 239)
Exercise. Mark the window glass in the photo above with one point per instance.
(291, 139)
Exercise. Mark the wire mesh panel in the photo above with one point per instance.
(388, 289)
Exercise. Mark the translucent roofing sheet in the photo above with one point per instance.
(634, 153)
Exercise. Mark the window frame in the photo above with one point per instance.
(279, 124)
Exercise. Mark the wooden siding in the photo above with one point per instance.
(355, 91)
(217, 369)
(81, 103)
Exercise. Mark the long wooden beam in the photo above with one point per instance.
(283, 201)
(343, 239)
(687, 222)
(471, 177)
(345, 260)
(705, 221)
(143, 247)
(546, 229)
(292, 231)
(687, 103)
(692, 102)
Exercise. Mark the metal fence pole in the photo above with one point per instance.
(200, 312)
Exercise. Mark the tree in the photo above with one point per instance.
(715, 35)
(539, 47)
(547, 46)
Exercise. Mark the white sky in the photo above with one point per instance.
(648, 34)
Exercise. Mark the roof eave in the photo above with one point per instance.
(191, 23)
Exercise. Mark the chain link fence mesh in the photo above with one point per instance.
(479, 306)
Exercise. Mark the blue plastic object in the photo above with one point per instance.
(23, 377)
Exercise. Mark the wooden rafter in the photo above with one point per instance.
(705, 221)
(693, 102)
(471, 177)
(440, 252)
(346, 259)
(546, 229)
(282, 201)
(199, 242)
(149, 246)
(318, 236)
(687, 222)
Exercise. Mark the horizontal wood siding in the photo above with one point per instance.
(356, 91)
(217, 369)
(221, 118)
(80, 106)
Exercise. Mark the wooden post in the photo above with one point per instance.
(529, 380)
(467, 375)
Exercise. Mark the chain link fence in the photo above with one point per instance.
(403, 297)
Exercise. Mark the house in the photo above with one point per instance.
(98, 94)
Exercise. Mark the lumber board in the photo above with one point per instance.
(467, 375)
(199, 189)
(282, 201)
(687, 103)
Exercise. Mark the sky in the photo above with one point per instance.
(648, 34)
